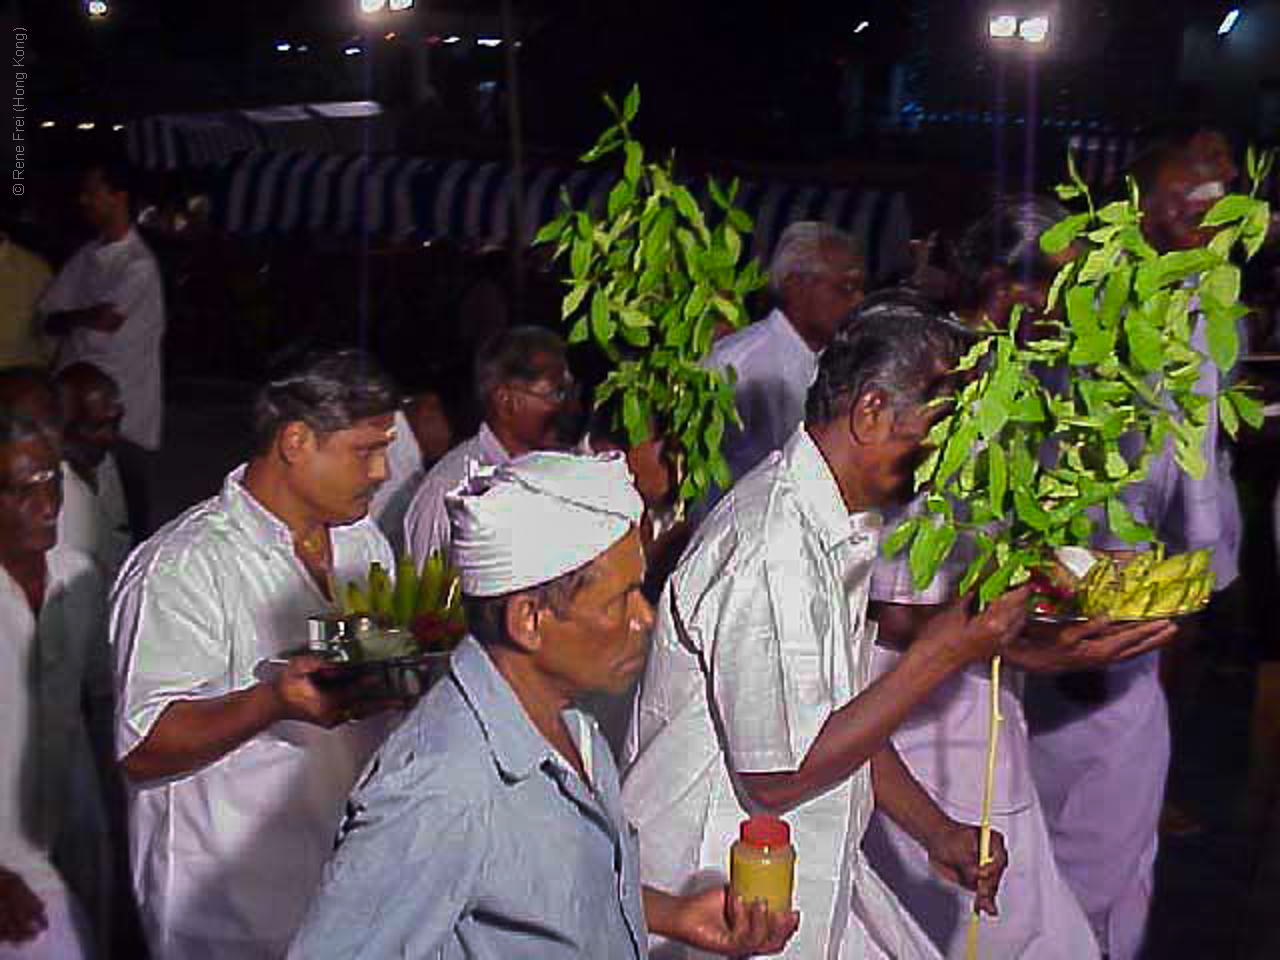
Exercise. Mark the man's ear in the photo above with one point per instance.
(294, 441)
(521, 616)
(871, 418)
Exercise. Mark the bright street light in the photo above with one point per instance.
(352, 51)
(283, 46)
(97, 8)
(1002, 26)
(401, 4)
(489, 41)
(372, 6)
(87, 125)
(862, 26)
(1229, 21)
(452, 38)
(1034, 29)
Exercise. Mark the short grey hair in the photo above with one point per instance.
(511, 355)
(800, 250)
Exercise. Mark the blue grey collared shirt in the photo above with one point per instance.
(470, 836)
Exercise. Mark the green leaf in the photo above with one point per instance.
(1222, 337)
(1247, 406)
(551, 230)
(1144, 341)
(602, 326)
(975, 354)
(1063, 233)
(631, 169)
(924, 473)
(997, 477)
(631, 106)
(957, 450)
(1029, 511)
(579, 332)
(573, 300)
(1223, 284)
(901, 534)
(620, 196)
(1229, 208)
(1122, 524)
(1227, 414)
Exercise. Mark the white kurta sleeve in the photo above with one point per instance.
(768, 660)
(167, 629)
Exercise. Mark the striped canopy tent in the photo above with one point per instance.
(183, 140)
(416, 198)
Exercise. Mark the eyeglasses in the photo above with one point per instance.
(562, 392)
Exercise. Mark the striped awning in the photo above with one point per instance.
(180, 140)
(284, 192)
(1102, 158)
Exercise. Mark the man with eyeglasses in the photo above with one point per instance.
(530, 402)
(816, 278)
(52, 608)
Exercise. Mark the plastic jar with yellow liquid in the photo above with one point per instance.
(762, 863)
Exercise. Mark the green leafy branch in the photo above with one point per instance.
(649, 282)
(1025, 466)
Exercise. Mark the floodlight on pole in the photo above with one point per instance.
(1002, 26)
(1229, 21)
(1034, 29)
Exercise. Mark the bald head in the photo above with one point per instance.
(92, 411)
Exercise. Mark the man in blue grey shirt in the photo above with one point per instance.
(490, 824)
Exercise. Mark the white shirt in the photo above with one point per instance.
(96, 522)
(772, 597)
(775, 369)
(125, 275)
(225, 859)
(46, 664)
(426, 525)
(404, 476)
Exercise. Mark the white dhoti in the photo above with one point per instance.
(1100, 770)
(944, 745)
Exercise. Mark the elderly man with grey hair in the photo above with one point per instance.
(530, 402)
(816, 277)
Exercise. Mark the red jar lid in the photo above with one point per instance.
(765, 831)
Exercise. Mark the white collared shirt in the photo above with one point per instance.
(426, 525)
(772, 598)
(775, 369)
(96, 522)
(228, 856)
(46, 663)
(125, 275)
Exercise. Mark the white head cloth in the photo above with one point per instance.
(542, 515)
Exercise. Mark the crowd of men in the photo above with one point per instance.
(635, 681)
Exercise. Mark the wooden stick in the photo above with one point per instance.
(984, 841)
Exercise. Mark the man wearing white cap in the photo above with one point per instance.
(490, 824)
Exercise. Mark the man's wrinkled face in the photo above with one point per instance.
(819, 302)
(95, 428)
(599, 644)
(336, 474)
(30, 496)
(546, 411)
